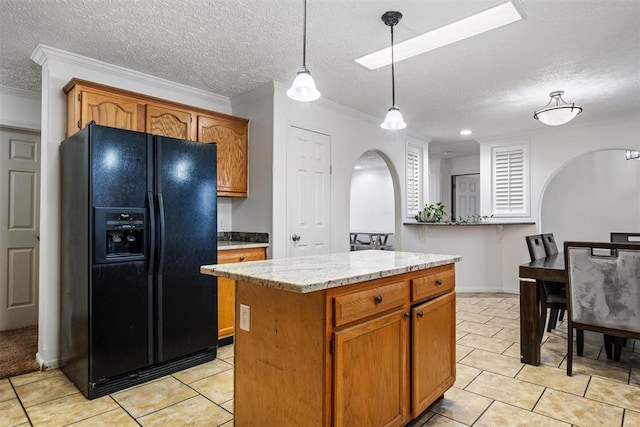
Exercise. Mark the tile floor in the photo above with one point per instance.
(492, 389)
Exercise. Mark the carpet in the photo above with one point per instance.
(18, 349)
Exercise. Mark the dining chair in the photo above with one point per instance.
(603, 290)
(555, 298)
(551, 248)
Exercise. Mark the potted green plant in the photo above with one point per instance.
(431, 213)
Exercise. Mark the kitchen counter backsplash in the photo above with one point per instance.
(242, 236)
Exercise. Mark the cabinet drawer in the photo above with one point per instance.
(239, 255)
(438, 281)
(367, 302)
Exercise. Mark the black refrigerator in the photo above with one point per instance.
(138, 219)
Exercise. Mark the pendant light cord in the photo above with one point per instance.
(304, 37)
(393, 74)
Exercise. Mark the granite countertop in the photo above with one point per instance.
(314, 273)
(224, 245)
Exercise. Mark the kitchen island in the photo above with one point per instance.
(356, 338)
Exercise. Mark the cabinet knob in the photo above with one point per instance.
(420, 313)
(377, 299)
(295, 237)
(242, 258)
(438, 282)
(406, 315)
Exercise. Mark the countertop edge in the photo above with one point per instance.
(326, 284)
(467, 224)
(240, 245)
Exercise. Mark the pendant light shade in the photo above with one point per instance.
(557, 112)
(303, 87)
(393, 120)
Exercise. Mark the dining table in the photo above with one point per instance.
(532, 317)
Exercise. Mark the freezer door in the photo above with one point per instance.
(120, 292)
(187, 235)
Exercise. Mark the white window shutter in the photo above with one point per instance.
(414, 181)
(509, 178)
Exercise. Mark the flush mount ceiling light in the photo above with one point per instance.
(303, 87)
(557, 112)
(495, 17)
(633, 155)
(393, 120)
(465, 132)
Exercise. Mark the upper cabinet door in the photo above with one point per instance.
(230, 134)
(169, 122)
(107, 110)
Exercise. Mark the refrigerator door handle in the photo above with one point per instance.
(162, 229)
(152, 233)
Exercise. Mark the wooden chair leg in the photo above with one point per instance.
(617, 348)
(553, 315)
(569, 350)
(608, 344)
(580, 341)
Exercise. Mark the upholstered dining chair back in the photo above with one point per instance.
(549, 243)
(603, 289)
(536, 246)
(619, 237)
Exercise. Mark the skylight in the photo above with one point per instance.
(479, 23)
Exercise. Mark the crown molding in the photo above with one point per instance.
(44, 53)
(22, 93)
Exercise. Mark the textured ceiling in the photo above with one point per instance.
(491, 83)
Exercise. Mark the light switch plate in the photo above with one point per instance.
(245, 317)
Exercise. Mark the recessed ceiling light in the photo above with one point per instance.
(465, 132)
(357, 167)
(447, 153)
(479, 23)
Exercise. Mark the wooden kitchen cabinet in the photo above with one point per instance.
(226, 287)
(85, 104)
(231, 136)
(371, 380)
(174, 123)
(109, 106)
(433, 359)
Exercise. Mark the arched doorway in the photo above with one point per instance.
(591, 196)
(372, 206)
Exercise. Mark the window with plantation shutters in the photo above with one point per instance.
(509, 179)
(414, 180)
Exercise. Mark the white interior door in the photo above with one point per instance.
(308, 192)
(19, 228)
(467, 189)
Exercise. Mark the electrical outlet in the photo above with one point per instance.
(245, 317)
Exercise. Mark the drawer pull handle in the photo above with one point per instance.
(377, 299)
(420, 313)
(242, 258)
(438, 282)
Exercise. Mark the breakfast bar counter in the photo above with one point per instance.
(356, 338)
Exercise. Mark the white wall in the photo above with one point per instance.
(58, 67)
(592, 195)
(372, 201)
(19, 109)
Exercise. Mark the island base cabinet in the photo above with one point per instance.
(279, 361)
(370, 383)
(433, 350)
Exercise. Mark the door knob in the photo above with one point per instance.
(295, 237)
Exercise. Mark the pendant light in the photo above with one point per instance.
(557, 111)
(393, 120)
(303, 87)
